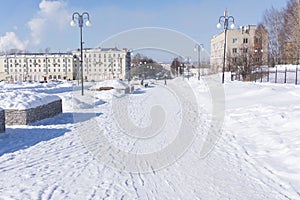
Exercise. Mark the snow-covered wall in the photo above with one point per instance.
(26, 116)
(2, 120)
(21, 100)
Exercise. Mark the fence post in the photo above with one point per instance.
(261, 75)
(296, 82)
(285, 75)
(268, 74)
(276, 75)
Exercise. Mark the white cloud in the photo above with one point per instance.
(36, 26)
(52, 16)
(11, 41)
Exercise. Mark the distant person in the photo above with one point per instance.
(142, 82)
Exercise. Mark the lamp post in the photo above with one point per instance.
(259, 53)
(66, 67)
(198, 48)
(187, 61)
(129, 54)
(80, 18)
(226, 20)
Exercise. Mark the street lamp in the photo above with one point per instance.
(226, 20)
(198, 48)
(80, 18)
(258, 53)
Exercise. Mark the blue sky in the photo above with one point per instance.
(39, 24)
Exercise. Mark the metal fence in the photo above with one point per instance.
(272, 75)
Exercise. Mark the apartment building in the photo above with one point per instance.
(98, 64)
(245, 46)
(102, 63)
(36, 66)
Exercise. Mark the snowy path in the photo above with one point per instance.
(61, 167)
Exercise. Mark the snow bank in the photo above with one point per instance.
(288, 67)
(116, 84)
(21, 100)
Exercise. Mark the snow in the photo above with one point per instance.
(287, 67)
(257, 155)
(21, 100)
(111, 83)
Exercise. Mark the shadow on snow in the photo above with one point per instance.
(22, 138)
(15, 139)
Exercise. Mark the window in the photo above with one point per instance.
(245, 50)
(234, 41)
(245, 40)
(234, 50)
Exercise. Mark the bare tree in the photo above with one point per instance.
(243, 61)
(47, 50)
(274, 22)
(176, 66)
(292, 31)
(140, 58)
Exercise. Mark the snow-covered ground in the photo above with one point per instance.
(256, 156)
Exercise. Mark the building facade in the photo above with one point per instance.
(102, 63)
(36, 67)
(246, 46)
(98, 64)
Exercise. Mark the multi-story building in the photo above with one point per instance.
(98, 64)
(102, 63)
(37, 66)
(246, 46)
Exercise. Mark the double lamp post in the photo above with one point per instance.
(226, 20)
(198, 48)
(80, 18)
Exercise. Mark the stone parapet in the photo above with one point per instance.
(23, 117)
(2, 120)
